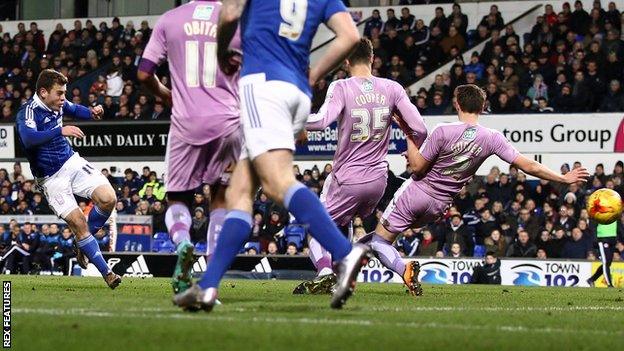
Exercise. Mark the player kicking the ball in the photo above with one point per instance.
(447, 161)
(204, 138)
(59, 171)
(363, 106)
(275, 104)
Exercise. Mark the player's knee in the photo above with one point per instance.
(238, 197)
(276, 188)
(106, 198)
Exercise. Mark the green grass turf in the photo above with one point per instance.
(70, 313)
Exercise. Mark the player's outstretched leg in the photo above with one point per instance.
(278, 182)
(382, 247)
(178, 221)
(234, 234)
(89, 246)
(104, 200)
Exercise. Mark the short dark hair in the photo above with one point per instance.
(362, 52)
(470, 98)
(48, 77)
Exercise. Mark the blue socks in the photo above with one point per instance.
(97, 219)
(234, 234)
(308, 209)
(91, 249)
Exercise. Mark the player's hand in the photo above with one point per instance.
(72, 131)
(165, 95)
(230, 62)
(302, 137)
(576, 175)
(97, 112)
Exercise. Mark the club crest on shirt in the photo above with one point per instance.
(470, 134)
(367, 87)
(203, 12)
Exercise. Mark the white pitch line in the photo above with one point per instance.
(313, 321)
(494, 309)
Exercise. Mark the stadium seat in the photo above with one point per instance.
(249, 245)
(479, 251)
(167, 246)
(161, 236)
(201, 247)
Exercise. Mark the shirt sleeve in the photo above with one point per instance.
(78, 111)
(331, 8)
(410, 120)
(430, 149)
(329, 112)
(27, 130)
(502, 148)
(156, 49)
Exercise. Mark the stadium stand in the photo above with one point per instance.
(569, 61)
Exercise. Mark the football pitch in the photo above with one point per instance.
(72, 313)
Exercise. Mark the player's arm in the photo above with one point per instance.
(420, 160)
(155, 53)
(503, 149)
(419, 164)
(409, 119)
(347, 36)
(538, 170)
(231, 11)
(82, 112)
(329, 112)
(31, 137)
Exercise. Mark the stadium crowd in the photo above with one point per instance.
(502, 212)
(571, 61)
(562, 67)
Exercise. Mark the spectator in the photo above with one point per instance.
(522, 247)
(614, 100)
(489, 272)
(459, 19)
(493, 20)
(291, 249)
(392, 23)
(428, 245)
(199, 227)
(577, 247)
(496, 244)
(374, 22)
(455, 252)
(453, 40)
(440, 21)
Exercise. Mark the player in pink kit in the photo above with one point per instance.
(447, 161)
(204, 137)
(363, 106)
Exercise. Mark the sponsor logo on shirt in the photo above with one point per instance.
(203, 12)
(470, 134)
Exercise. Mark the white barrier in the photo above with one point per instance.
(513, 272)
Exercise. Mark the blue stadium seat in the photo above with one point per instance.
(201, 247)
(296, 234)
(161, 236)
(250, 244)
(479, 251)
(156, 245)
(167, 246)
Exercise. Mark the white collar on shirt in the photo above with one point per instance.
(40, 103)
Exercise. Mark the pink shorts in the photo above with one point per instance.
(412, 207)
(344, 201)
(189, 166)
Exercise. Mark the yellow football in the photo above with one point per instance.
(604, 206)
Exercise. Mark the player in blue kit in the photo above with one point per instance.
(275, 92)
(59, 171)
